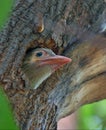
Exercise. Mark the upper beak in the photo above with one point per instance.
(55, 61)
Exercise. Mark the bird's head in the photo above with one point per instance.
(46, 57)
(41, 63)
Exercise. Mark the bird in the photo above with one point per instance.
(40, 63)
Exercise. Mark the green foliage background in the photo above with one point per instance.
(92, 116)
(7, 121)
(5, 10)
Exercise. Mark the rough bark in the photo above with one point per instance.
(59, 25)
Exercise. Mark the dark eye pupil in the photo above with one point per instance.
(39, 54)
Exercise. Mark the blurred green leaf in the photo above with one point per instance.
(7, 121)
(5, 9)
(92, 116)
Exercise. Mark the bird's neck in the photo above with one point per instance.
(37, 75)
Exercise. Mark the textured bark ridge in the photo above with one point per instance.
(59, 25)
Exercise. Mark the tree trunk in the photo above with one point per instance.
(67, 27)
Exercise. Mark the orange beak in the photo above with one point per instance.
(55, 61)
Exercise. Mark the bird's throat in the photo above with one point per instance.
(37, 75)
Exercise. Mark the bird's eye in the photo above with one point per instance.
(39, 54)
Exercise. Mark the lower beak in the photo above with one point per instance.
(55, 61)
